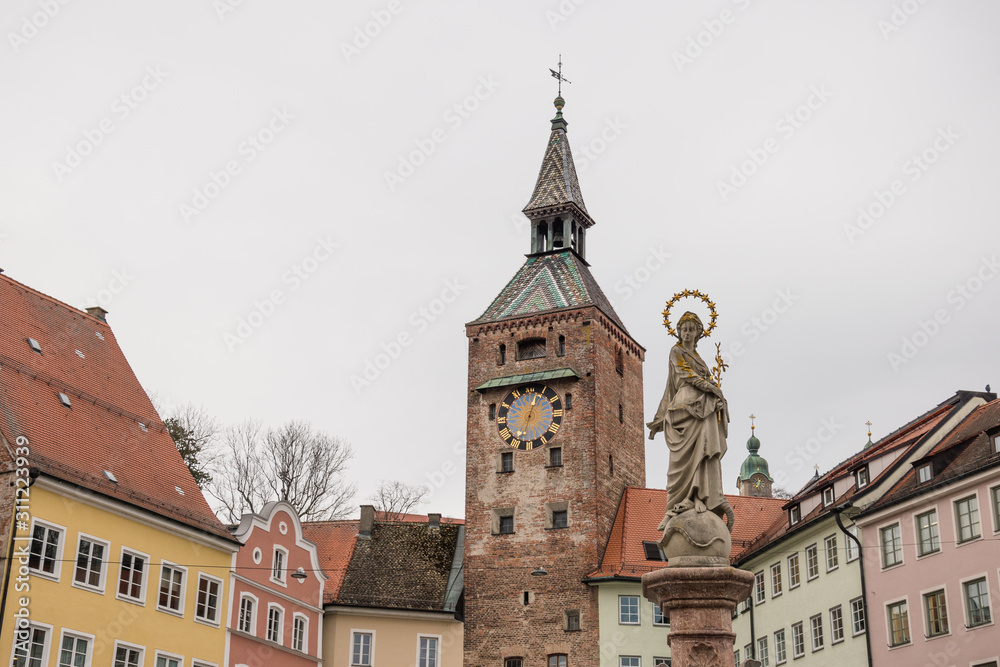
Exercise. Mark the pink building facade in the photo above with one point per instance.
(932, 556)
(276, 610)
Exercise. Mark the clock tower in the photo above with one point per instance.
(555, 433)
(754, 479)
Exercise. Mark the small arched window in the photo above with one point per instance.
(568, 403)
(611, 465)
(620, 362)
(503, 355)
(621, 414)
(561, 350)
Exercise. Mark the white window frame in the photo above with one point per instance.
(203, 663)
(829, 496)
(56, 575)
(776, 584)
(881, 545)
(852, 548)
(780, 657)
(857, 477)
(103, 574)
(281, 623)
(167, 656)
(128, 646)
(889, 604)
(802, 637)
(836, 556)
(965, 600)
(46, 643)
(814, 549)
(371, 648)
(253, 613)
(437, 650)
(979, 518)
(918, 542)
(836, 613)
(147, 563)
(794, 558)
(924, 611)
(159, 583)
(220, 598)
(632, 661)
(296, 617)
(75, 634)
(638, 610)
(925, 473)
(759, 592)
(858, 609)
(794, 515)
(813, 635)
(994, 492)
(282, 578)
(658, 613)
(762, 653)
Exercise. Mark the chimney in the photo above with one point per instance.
(434, 521)
(98, 312)
(367, 522)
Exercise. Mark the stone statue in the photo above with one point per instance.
(694, 418)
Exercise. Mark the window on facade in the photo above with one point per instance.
(862, 477)
(299, 636)
(816, 631)
(857, 616)
(798, 640)
(621, 414)
(572, 620)
(853, 551)
(832, 558)
(628, 609)
(171, 587)
(274, 624)
(628, 661)
(89, 562)
(127, 656)
(73, 652)
(967, 518)
(568, 402)
(559, 519)
(531, 348)
(661, 662)
(611, 465)
(776, 580)
(427, 654)
(492, 412)
(899, 624)
(652, 551)
(836, 625)
(502, 357)
(361, 649)
(507, 462)
(513, 662)
(29, 653)
(892, 546)
(561, 349)
(736, 657)
(927, 533)
(167, 661)
(828, 497)
(977, 602)
(936, 613)
(44, 550)
(278, 566)
(762, 654)
(658, 618)
(812, 562)
(793, 515)
(130, 575)
(555, 457)
(779, 647)
(748, 651)
(557, 660)
(207, 607)
(793, 571)
(507, 524)
(620, 362)
(995, 494)
(758, 587)
(924, 473)
(245, 623)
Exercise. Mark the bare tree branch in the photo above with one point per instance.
(396, 499)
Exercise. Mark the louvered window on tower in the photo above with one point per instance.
(532, 348)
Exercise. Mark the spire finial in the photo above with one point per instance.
(869, 425)
(752, 427)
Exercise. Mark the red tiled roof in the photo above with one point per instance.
(641, 511)
(101, 430)
(335, 541)
(980, 420)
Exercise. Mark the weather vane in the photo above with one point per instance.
(558, 75)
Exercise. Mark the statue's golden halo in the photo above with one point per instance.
(690, 293)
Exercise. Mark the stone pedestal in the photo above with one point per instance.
(700, 603)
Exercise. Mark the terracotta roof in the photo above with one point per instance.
(111, 424)
(336, 544)
(550, 282)
(557, 181)
(641, 511)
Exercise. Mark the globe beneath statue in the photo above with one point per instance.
(696, 539)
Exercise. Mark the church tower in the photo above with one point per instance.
(554, 434)
(754, 479)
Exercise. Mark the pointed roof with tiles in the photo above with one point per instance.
(67, 390)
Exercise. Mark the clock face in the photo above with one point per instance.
(758, 483)
(529, 416)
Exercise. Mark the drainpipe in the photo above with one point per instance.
(753, 632)
(846, 507)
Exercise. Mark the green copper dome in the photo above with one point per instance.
(754, 463)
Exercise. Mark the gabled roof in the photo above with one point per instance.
(111, 424)
(403, 565)
(640, 512)
(556, 281)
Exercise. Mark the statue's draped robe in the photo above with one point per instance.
(695, 422)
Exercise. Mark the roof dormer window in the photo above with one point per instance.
(828, 496)
(34, 345)
(794, 515)
(924, 473)
(861, 476)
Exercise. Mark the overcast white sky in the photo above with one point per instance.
(121, 119)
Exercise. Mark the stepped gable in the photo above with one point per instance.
(111, 424)
(641, 511)
(546, 283)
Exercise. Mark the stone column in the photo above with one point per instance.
(699, 602)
